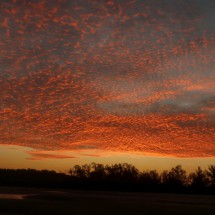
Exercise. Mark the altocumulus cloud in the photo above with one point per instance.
(111, 75)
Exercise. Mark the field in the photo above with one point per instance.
(63, 202)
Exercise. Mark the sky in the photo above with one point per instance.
(107, 81)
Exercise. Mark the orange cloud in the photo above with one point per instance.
(42, 155)
(133, 77)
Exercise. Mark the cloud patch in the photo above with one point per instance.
(121, 76)
(43, 155)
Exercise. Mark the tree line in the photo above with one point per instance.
(120, 177)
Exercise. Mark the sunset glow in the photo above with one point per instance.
(108, 78)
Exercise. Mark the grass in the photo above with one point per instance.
(105, 203)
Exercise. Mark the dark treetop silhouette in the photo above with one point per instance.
(123, 177)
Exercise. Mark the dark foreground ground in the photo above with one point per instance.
(63, 202)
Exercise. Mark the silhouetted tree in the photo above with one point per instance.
(124, 177)
(122, 172)
(211, 175)
(82, 172)
(150, 178)
(98, 172)
(176, 177)
(198, 179)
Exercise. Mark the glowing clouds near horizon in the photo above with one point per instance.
(123, 76)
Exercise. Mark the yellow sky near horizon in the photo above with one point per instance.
(18, 157)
